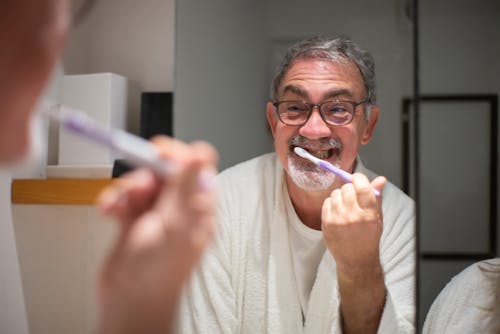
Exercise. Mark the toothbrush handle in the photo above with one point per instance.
(341, 173)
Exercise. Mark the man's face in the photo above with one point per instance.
(14, 135)
(317, 81)
(36, 32)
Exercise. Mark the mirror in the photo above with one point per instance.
(226, 50)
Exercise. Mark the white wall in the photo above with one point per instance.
(12, 308)
(221, 70)
(129, 37)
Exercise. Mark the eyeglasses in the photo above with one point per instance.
(336, 112)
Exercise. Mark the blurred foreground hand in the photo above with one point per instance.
(164, 227)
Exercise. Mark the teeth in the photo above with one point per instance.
(321, 154)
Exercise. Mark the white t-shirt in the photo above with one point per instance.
(308, 248)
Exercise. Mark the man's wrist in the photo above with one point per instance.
(361, 273)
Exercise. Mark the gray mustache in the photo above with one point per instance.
(321, 144)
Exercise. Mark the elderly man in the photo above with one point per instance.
(298, 250)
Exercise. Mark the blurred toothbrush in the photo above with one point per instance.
(136, 150)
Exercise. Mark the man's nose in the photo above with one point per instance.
(315, 127)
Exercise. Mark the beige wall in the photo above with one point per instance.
(128, 37)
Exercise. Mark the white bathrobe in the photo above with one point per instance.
(246, 281)
(470, 302)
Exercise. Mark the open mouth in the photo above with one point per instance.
(321, 154)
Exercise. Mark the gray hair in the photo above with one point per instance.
(339, 50)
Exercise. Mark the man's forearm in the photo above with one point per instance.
(362, 299)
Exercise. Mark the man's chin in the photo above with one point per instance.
(310, 179)
(29, 159)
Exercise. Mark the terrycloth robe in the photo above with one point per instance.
(470, 302)
(246, 282)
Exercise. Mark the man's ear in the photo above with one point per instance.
(272, 117)
(370, 127)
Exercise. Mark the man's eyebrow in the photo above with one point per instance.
(328, 95)
(336, 93)
(296, 90)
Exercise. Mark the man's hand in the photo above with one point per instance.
(165, 225)
(352, 225)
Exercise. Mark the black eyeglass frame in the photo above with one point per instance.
(311, 106)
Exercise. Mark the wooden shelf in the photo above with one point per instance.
(57, 191)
